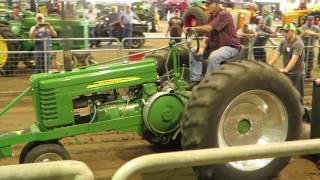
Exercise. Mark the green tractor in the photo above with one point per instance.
(147, 12)
(245, 102)
(18, 28)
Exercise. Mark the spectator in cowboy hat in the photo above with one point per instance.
(292, 50)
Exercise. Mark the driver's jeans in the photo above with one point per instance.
(215, 59)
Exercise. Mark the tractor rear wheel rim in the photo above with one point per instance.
(48, 157)
(253, 117)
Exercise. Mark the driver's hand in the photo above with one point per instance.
(317, 81)
(188, 30)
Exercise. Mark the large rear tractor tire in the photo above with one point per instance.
(8, 62)
(243, 103)
(161, 58)
(194, 16)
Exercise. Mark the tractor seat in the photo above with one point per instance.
(239, 56)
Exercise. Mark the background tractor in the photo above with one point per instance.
(149, 13)
(18, 27)
(300, 16)
(245, 102)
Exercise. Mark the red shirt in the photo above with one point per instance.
(223, 33)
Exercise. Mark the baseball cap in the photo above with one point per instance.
(291, 27)
(212, 1)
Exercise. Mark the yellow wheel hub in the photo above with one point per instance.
(3, 48)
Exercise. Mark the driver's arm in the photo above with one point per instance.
(203, 29)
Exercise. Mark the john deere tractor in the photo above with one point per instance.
(18, 27)
(244, 102)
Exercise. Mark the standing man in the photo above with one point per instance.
(263, 34)
(126, 22)
(113, 20)
(246, 36)
(42, 30)
(221, 42)
(292, 50)
(91, 15)
(318, 24)
(268, 18)
(175, 26)
(310, 32)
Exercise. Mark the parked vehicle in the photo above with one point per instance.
(103, 30)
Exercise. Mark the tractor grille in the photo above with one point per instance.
(48, 104)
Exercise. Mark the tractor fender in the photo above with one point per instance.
(195, 16)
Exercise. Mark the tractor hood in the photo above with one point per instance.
(89, 77)
(53, 93)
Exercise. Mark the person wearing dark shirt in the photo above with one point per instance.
(263, 34)
(310, 33)
(175, 26)
(126, 19)
(246, 35)
(113, 20)
(292, 50)
(229, 4)
(221, 42)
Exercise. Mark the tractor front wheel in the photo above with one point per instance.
(243, 103)
(137, 43)
(46, 152)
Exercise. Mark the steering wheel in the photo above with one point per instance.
(191, 34)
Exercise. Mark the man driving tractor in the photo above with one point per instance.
(221, 42)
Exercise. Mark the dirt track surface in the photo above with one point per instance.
(105, 152)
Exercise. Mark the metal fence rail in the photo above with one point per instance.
(55, 170)
(166, 161)
(23, 62)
